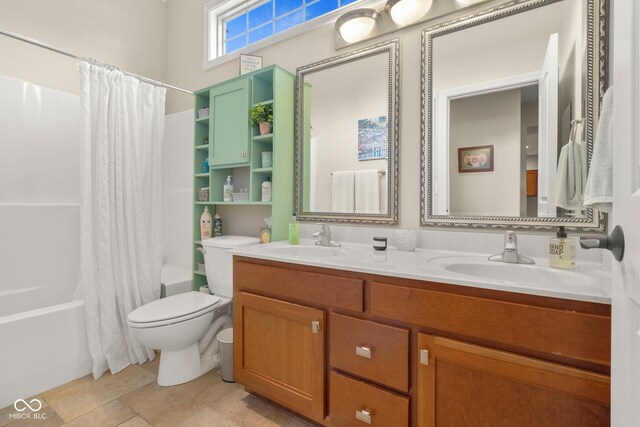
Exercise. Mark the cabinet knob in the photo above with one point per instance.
(364, 415)
(424, 356)
(363, 351)
(315, 326)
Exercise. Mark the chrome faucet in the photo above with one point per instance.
(324, 236)
(510, 253)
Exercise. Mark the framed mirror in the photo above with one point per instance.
(347, 116)
(510, 102)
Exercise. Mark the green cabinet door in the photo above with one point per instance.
(230, 130)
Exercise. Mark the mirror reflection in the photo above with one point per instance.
(508, 100)
(347, 139)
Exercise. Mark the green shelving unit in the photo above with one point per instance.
(269, 85)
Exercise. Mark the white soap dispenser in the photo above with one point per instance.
(266, 190)
(227, 190)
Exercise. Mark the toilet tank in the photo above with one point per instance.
(219, 262)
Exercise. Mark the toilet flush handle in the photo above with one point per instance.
(202, 249)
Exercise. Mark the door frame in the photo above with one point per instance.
(442, 110)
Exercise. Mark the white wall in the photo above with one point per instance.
(339, 98)
(489, 119)
(128, 34)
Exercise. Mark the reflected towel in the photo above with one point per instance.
(342, 192)
(599, 190)
(368, 191)
(572, 175)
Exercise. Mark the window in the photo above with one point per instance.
(237, 24)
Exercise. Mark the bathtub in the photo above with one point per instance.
(42, 330)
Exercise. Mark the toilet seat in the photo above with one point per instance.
(173, 309)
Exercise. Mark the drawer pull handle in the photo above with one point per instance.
(363, 351)
(364, 415)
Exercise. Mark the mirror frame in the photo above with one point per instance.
(392, 47)
(597, 26)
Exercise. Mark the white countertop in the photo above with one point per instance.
(586, 283)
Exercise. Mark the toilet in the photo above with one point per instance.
(175, 325)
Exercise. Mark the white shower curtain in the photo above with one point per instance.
(122, 126)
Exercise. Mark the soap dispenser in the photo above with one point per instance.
(294, 231)
(562, 250)
(227, 190)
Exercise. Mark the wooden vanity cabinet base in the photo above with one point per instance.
(492, 358)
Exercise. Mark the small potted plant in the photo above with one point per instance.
(262, 115)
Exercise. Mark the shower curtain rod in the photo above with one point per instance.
(90, 61)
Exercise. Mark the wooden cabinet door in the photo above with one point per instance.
(229, 105)
(468, 385)
(279, 352)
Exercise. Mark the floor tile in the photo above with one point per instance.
(136, 421)
(84, 394)
(246, 409)
(206, 417)
(167, 406)
(109, 415)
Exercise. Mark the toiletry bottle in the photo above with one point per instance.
(227, 190)
(205, 165)
(562, 250)
(294, 231)
(266, 189)
(217, 226)
(205, 224)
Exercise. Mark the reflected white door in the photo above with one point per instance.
(625, 347)
(548, 130)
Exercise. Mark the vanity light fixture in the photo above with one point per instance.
(354, 25)
(405, 12)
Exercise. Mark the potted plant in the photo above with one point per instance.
(262, 115)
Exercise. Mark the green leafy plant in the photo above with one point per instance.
(261, 113)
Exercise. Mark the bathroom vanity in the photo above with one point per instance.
(344, 346)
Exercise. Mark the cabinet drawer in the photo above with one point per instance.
(355, 403)
(370, 350)
(566, 333)
(313, 288)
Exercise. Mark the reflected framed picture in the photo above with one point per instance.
(372, 138)
(475, 159)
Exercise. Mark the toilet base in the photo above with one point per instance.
(180, 366)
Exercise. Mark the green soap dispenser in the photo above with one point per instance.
(294, 231)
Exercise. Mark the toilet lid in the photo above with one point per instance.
(172, 307)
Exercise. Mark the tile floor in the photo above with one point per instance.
(132, 398)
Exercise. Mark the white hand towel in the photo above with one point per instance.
(368, 191)
(342, 192)
(571, 177)
(599, 191)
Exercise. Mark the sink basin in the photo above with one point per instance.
(516, 274)
(304, 251)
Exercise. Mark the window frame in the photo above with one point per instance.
(216, 11)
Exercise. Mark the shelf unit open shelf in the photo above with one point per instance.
(271, 86)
